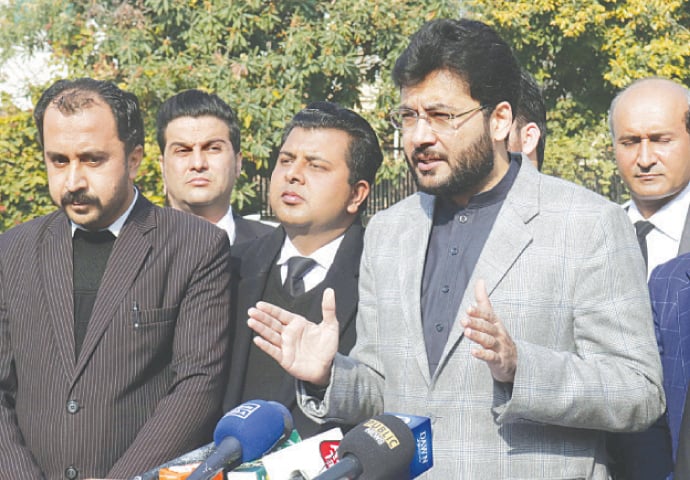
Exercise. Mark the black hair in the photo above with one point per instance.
(469, 49)
(195, 103)
(71, 96)
(364, 156)
(531, 108)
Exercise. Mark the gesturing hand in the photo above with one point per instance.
(496, 347)
(303, 348)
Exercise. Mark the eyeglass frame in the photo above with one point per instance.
(425, 116)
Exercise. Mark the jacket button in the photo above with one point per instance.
(71, 473)
(73, 406)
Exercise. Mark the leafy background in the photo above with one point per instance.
(268, 59)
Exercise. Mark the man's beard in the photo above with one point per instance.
(468, 169)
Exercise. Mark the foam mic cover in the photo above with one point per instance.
(244, 434)
(380, 448)
(195, 456)
(421, 431)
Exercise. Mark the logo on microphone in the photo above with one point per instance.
(243, 411)
(329, 452)
(381, 433)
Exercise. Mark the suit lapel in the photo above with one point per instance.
(344, 275)
(129, 252)
(507, 241)
(242, 231)
(413, 244)
(684, 246)
(55, 262)
(683, 301)
(254, 266)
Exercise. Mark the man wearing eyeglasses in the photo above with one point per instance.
(508, 306)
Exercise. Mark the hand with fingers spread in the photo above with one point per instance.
(303, 348)
(496, 347)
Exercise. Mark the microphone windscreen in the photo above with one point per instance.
(258, 425)
(384, 446)
(421, 431)
(287, 418)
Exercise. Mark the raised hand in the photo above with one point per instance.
(303, 348)
(496, 347)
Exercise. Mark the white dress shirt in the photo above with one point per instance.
(664, 239)
(227, 223)
(324, 257)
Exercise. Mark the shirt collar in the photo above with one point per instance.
(117, 225)
(324, 256)
(666, 219)
(227, 223)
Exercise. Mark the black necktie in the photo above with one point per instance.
(643, 227)
(297, 269)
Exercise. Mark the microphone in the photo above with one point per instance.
(423, 454)
(195, 456)
(307, 458)
(380, 448)
(245, 434)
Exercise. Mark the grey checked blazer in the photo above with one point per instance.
(565, 275)
(137, 395)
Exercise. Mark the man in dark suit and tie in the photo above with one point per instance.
(113, 312)
(199, 138)
(325, 168)
(650, 128)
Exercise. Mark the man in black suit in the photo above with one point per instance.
(323, 175)
(650, 128)
(199, 138)
(113, 312)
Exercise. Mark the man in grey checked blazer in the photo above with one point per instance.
(508, 306)
(143, 384)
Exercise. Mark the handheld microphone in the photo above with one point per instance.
(380, 448)
(245, 434)
(423, 454)
(308, 457)
(195, 456)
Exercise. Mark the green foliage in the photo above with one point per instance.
(24, 188)
(267, 59)
(583, 52)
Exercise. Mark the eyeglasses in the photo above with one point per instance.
(406, 119)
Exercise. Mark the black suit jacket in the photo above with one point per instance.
(146, 386)
(248, 230)
(255, 262)
(646, 455)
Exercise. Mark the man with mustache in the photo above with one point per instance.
(325, 168)
(113, 312)
(508, 306)
(650, 128)
(201, 158)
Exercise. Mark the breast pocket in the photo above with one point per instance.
(151, 318)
